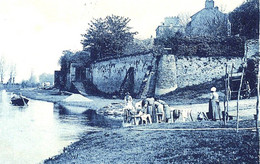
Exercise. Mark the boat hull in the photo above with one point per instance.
(20, 101)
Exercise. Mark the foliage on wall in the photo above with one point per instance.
(204, 46)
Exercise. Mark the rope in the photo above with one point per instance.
(197, 129)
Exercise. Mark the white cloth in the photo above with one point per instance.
(214, 96)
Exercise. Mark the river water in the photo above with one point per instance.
(38, 131)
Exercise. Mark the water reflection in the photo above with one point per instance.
(33, 133)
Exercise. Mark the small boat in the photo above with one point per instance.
(19, 100)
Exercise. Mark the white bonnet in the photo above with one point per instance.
(213, 89)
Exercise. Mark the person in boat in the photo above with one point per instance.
(214, 108)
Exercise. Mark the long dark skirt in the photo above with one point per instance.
(214, 110)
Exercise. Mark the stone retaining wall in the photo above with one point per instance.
(108, 75)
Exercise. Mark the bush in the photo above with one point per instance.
(204, 46)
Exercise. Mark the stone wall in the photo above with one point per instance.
(166, 75)
(170, 71)
(108, 75)
(197, 70)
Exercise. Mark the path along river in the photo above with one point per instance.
(38, 131)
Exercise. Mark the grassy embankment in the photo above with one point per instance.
(166, 143)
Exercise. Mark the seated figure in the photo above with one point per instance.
(143, 113)
(159, 112)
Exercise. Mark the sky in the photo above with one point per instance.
(33, 33)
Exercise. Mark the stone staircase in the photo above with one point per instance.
(147, 88)
(79, 87)
(128, 83)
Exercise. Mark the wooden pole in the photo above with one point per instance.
(238, 96)
(228, 93)
(225, 99)
(224, 117)
(257, 114)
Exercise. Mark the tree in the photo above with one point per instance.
(139, 46)
(2, 69)
(245, 20)
(12, 73)
(81, 58)
(108, 36)
(65, 60)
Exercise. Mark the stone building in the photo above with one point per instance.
(169, 27)
(209, 22)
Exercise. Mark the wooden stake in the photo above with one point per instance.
(238, 96)
(225, 98)
(257, 114)
(228, 92)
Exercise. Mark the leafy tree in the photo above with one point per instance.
(65, 60)
(139, 46)
(245, 20)
(2, 69)
(108, 36)
(12, 73)
(81, 57)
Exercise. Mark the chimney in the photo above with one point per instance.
(209, 4)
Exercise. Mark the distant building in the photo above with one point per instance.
(169, 27)
(209, 22)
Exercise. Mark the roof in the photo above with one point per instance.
(206, 9)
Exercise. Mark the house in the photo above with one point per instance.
(209, 22)
(169, 27)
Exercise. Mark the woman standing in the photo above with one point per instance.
(214, 100)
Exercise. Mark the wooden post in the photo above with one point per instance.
(238, 96)
(228, 92)
(225, 98)
(257, 114)
(224, 117)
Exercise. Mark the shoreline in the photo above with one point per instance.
(155, 144)
(158, 143)
(96, 103)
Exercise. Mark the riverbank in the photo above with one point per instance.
(166, 143)
(101, 105)
(163, 143)
(114, 107)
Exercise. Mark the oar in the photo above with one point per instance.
(23, 100)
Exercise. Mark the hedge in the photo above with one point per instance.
(204, 46)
